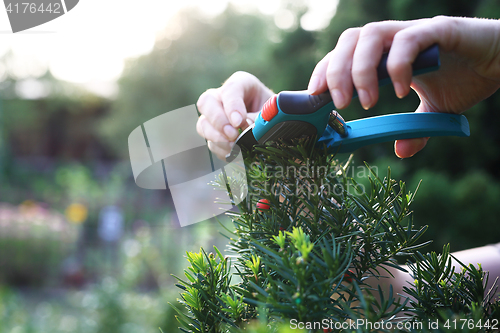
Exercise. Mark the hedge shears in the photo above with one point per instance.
(293, 114)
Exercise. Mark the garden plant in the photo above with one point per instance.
(308, 243)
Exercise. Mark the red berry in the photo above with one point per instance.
(348, 276)
(327, 330)
(263, 204)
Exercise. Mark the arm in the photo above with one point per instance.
(488, 256)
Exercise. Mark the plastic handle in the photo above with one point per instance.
(315, 109)
(300, 102)
(392, 127)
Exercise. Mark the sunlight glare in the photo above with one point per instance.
(88, 45)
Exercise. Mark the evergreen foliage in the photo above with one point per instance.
(305, 241)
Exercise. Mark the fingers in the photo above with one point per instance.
(206, 130)
(232, 97)
(374, 39)
(338, 75)
(317, 82)
(220, 149)
(409, 42)
(217, 142)
(235, 92)
(225, 108)
(210, 106)
(409, 147)
(333, 72)
(354, 61)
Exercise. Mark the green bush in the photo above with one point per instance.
(306, 252)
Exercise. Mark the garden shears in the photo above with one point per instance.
(293, 114)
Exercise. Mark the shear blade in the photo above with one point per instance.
(246, 139)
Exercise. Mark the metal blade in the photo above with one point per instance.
(245, 139)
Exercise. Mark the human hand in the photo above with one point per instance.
(469, 73)
(234, 105)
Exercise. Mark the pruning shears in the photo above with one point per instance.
(293, 114)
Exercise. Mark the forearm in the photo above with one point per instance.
(488, 256)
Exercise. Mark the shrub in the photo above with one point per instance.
(305, 241)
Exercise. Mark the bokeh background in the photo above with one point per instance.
(82, 248)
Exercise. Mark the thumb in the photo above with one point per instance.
(409, 147)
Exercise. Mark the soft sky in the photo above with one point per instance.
(89, 44)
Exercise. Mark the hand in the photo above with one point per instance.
(234, 105)
(469, 73)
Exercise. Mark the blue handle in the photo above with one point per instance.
(392, 127)
(314, 110)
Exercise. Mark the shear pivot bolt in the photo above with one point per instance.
(338, 124)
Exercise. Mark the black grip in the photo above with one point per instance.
(300, 102)
(426, 61)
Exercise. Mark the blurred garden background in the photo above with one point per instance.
(83, 249)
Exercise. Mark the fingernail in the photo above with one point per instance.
(313, 84)
(230, 132)
(236, 119)
(338, 99)
(396, 151)
(399, 90)
(364, 99)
